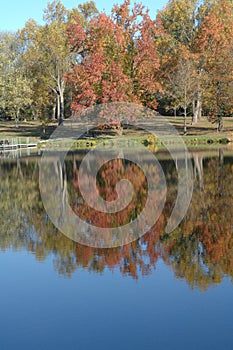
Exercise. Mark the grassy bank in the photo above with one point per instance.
(202, 133)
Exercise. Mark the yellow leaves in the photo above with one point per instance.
(151, 139)
(178, 19)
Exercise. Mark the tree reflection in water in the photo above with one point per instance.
(199, 250)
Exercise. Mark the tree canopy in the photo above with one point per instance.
(179, 60)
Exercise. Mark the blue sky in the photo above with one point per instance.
(14, 13)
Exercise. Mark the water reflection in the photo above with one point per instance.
(198, 251)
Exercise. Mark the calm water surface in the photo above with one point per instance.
(160, 292)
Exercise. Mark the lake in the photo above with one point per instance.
(161, 291)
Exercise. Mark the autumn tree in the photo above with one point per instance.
(47, 54)
(116, 58)
(48, 57)
(204, 29)
(216, 44)
(180, 23)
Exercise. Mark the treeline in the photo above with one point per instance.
(181, 61)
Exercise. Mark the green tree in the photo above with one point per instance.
(15, 87)
(47, 53)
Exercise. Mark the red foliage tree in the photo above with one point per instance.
(116, 59)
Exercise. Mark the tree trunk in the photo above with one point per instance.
(54, 110)
(200, 110)
(61, 101)
(194, 111)
(185, 111)
(185, 121)
(58, 108)
(61, 107)
(17, 119)
(34, 113)
(220, 124)
(197, 109)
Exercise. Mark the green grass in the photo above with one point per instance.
(201, 133)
